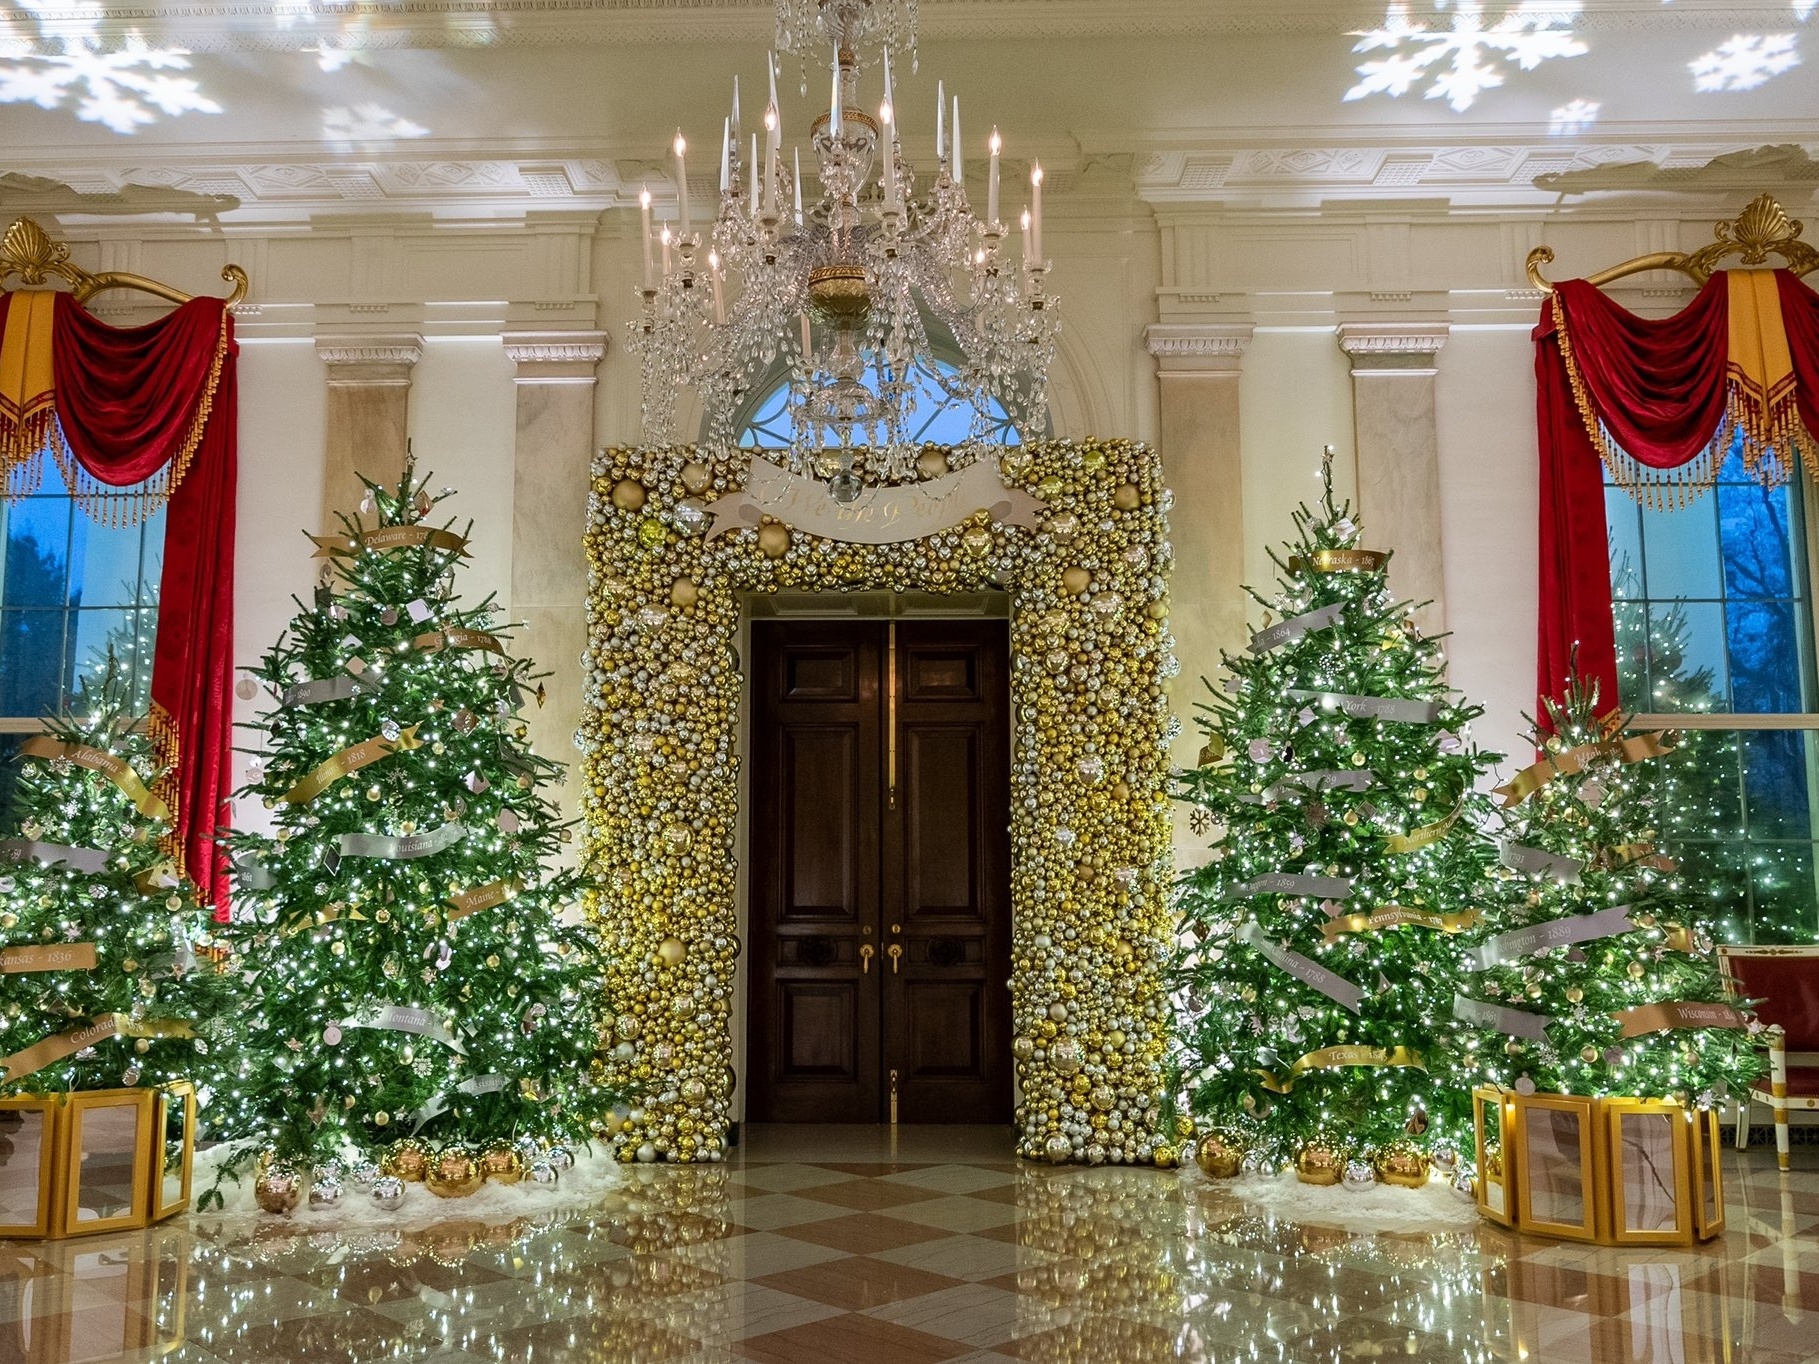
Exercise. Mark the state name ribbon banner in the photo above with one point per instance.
(435, 641)
(1339, 561)
(1635, 749)
(53, 1049)
(877, 516)
(1295, 627)
(1416, 839)
(436, 1107)
(1332, 779)
(388, 537)
(1297, 883)
(398, 1018)
(88, 861)
(1576, 928)
(116, 770)
(1332, 1058)
(1678, 1014)
(1510, 1022)
(1399, 709)
(476, 898)
(321, 690)
(402, 847)
(1521, 857)
(362, 754)
(1310, 973)
(56, 956)
(1393, 916)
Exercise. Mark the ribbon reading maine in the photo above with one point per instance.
(878, 516)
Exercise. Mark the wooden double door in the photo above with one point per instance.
(879, 943)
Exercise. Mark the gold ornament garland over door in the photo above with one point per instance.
(1090, 861)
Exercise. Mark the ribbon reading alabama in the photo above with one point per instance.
(1393, 916)
(404, 847)
(53, 1049)
(1416, 839)
(1295, 627)
(398, 1018)
(116, 770)
(322, 690)
(1521, 857)
(1576, 928)
(1531, 779)
(362, 754)
(1339, 561)
(56, 956)
(1510, 1022)
(877, 516)
(1679, 1014)
(436, 1107)
(1332, 1058)
(1294, 883)
(1310, 973)
(1399, 709)
(388, 537)
(88, 861)
(476, 898)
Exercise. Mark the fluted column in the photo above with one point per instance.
(369, 389)
(556, 378)
(1398, 445)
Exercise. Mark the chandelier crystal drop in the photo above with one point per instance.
(842, 288)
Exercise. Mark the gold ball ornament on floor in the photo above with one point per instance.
(502, 1164)
(278, 1188)
(1219, 1155)
(1403, 1166)
(405, 1159)
(453, 1173)
(1319, 1162)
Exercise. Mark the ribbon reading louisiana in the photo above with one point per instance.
(435, 641)
(1292, 629)
(322, 690)
(88, 861)
(348, 760)
(1678, 1014)
(1294, 883)
(436, 1107)
(57, 956)
(477, 898)
(1397, 708)
(1310, 973)
(1332, 1058)
(1391, 916)
(1577, 928)
(53, 1049)
(1339, 561)
(388, 537)
(116, 770)
(404, 847)
(398, 1018)
(1637, 748)
(1521, 857)
(1416, 839)
(1510, 1022)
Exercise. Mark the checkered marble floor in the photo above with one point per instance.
(851, 1246)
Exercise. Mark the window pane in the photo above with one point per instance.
(1784, 903)
(1624, 518)
(1757, 534)
(1702, 788)
(104, 564)
(1718, 877)
(90, 638)
(1686, 652)
(1629, 620)
(935, 416)
(1777, 783)
(1764, 657)
(37, 552)
(31, 662)
(1680, 552)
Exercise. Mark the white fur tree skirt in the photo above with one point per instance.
(1382, 1207)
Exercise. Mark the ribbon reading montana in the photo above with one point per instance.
(878, 516)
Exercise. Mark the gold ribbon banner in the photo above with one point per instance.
(1625, 854)
(477, 898)
(1332, 1058)
(57, 956)
(1531, 779)
(1390, 916)
(1678, 1014)
(116, 770)
(320, 918)
(435, 641)
(388, 537)
(1339, 561)
(1416, 839)
(53, 1049)
(362, 754)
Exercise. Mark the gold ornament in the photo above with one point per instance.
(1319, 1162)
(453, 1173)
(683, 593)
(405, 1159)
(1403, 1165)
(1574, 994)
(628, 495)
(697, 477)
(773, 540)
(1588, 1054)
(502, 1164)
(1128, 497)
(278, 1189)
(671, 951)
(1075, 580)
(1219, 1155)
(931, 464)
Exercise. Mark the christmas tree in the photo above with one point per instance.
(108, 980)
(409, 974)
(1318, 957)
(1595, 975)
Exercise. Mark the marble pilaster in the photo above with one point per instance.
(369, 386)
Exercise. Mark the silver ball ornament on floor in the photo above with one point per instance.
(1444, 1157)
(363, 1173)
(1465, 1184)
(559, 1157)
(388, 1192)
(542, 1172)
(325, 1192)
(1252, 1165)
(1358, 1175)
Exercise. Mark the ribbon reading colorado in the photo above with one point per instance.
(1339, 561)
(1331, 1058)
(1310, 973)
(1295, 883)
(53, 1049)
(322, 690)
(1521, 857)
(1397, 708)
(1679, 1014)
(1416, 839)
(362, 754)
(1391, 916)
(88, 861)
(56, 956)
(476, 898)
(388, 537)
(1510, 1022)
(1531, 779)
(878, 516)
(116, 770)
(1576, 928)
(404, 847)
(436, 1107)
(398, 1018)
(1292, 629)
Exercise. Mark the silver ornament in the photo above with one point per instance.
(560, 1157)
(542, 1173)
(364, 1174)
(325, 1192)
(1252, 1165)
(1444, 1156)
(388, 1192)
(1358, 1175)
(1465, 1184)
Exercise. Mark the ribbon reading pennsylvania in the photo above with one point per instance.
(1396, 708)
(877, 516)
(116, 770)
(1294, 628)
(362, 754)
(1310, 973)
(1576, 928)
(1394, 916)
(1332, 1058)
(1635, 749)
(388, 537)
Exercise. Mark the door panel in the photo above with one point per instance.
(821, 778)
(940, 806)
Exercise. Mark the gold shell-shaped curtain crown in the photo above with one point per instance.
(27, 251)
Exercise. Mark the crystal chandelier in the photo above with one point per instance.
(843, 289)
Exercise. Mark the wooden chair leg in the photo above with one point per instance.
(1777, 1076)
(1743, 1121)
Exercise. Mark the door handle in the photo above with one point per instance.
(895, 953)
(865, 959)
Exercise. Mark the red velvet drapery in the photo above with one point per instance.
(132, 403)
(1662, 393)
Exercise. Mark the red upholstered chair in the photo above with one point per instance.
(1785, 981)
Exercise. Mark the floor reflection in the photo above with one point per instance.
(843, 1245)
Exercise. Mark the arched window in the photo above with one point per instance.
(940, 417)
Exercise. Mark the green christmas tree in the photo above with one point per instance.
(409, 969)
(1596, 975)
(110, 978)
(1318, 955)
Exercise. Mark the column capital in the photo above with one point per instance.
(1197, 347)
(1406, 348)
(555, 357)
(369, 360)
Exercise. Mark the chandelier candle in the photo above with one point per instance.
(991, 181)
(681, 146)
(644, 216)
(1036, 215)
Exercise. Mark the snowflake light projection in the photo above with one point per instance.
(121, 87)
(364, 123)
(1573, 116)
(1745, 62)
(1468, 58)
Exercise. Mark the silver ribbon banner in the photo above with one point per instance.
(322, 690)
(88, 861)
(1309, 972)
(878, 516)
(398, 1018)
(1521, 857)
(1292, 629)
(1294, 883)
(436, 1107)
(253, 873)
(403, 847)
(1577, 928)
(1510, 1022)
(1400, 709)
(1333, 779)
